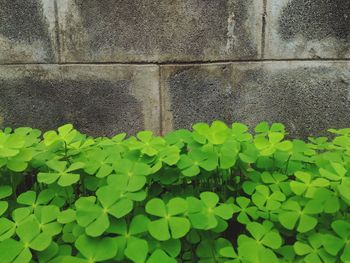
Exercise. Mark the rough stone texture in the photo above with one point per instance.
(153, 30)
(98, 100)
(308, 29)
(103, 98)
(308, 97)
(27, 31)
(195, 93)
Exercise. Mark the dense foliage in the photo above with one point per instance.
(216, 194)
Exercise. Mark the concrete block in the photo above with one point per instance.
(96, 99)
(195, 93)
(162, 31)
(307, 29)
(308, 97)
(27, 31)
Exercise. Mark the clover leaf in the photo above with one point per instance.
(169, 155)
(8, 227)
(262, 127)
(47, 218)
(61, 195)
(339, 242)
(288, 254)
(62, 173)
(129, 243)
(293, 215)
(167, 176)
(66, 216)
(329, 200)
(170, 224)
(276, 181)
(69, 259)
(249, 154)
(217, 133)
(96, 249)
(129, 187)
(71, 231)
(15, 151)
(130, 168)
(10, 144)
(160, 256)
(171, 247)
(334, 172)
(56, 252)
(263, 198)
(100, 163)
(30, 238)
(179, 138)
(312, 250)
(228, 154)
(268, 146)
(147, 143)
(306, 186)
(49, 253)
(66, 133)
(19, 163)
(15, 252)
(219, 250)
(258, 247)
(136, 250)
(206, 213)
(190, 164)
(240, 132)
(31, 199)
(91, 216)
(246, 213)
(114, 202)
(5, 191)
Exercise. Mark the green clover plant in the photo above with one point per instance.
(216, 193)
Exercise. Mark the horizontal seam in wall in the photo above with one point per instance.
(181, 62)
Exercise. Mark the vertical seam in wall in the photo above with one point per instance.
(57, 29)
(160, 100)
(263, 29)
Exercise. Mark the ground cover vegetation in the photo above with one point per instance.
(217, 193)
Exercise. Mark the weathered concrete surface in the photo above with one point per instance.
(195, 93)
(98, 100)
(27, 31)
(308, 97)
(153, 30)
(308, 29)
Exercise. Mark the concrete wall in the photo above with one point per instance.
(109, 66)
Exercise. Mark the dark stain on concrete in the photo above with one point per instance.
(196, 95)
(307, 100)
(23, 21)
(96, 107)
(316, 19)
(152, 27)
(243, 43)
